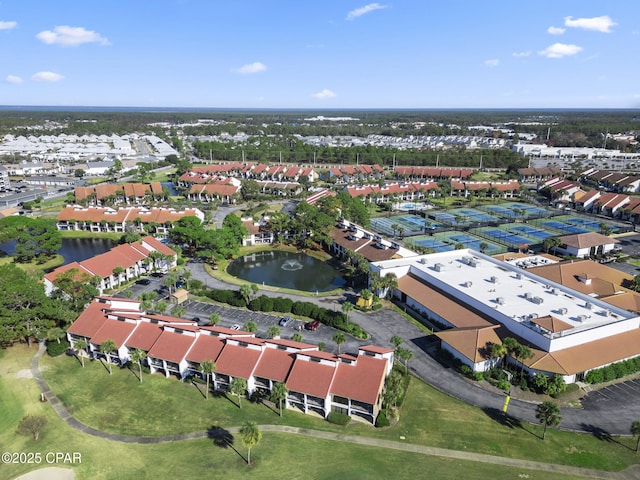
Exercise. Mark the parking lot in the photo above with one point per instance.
(613, 397)
(230, 316)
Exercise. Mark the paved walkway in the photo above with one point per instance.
(632, 472)
(603, 419)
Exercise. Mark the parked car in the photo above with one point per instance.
(196, 319)
(157, 274)
(285, 321)
(235, 327)
(312, 326)
(143, 281)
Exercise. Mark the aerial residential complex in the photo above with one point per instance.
(317, 382)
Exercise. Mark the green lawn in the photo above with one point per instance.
(428, 417)
(159, 406)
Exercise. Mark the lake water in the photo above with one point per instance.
(297, 271)
(73, 249)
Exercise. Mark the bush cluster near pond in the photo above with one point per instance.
(263, 303)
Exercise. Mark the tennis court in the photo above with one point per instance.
(507, 238)
(564, 227)
(593, 225)
(429, 242)
(472, 215)
(470, 241)
(532, 232)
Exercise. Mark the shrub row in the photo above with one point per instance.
(613, 371)
(263, 303)
(54, 348)
(338, 418)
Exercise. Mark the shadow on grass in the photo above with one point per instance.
(202, 389)
(223, 438)
(135, 372)
(603, 435)
(506, 420)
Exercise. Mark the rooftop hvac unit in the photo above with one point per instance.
(466, 260)
(537, 300)
(438, 267)
(468, 284)
(518, 276)
(588, 305)
(423, 261)
(493, 279)
(473, 263)
(562, 311)
(607, 313)
(581, 318)
(554, 291)
(500, 301)
(528, 295)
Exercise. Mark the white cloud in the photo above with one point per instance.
(358, 12)
(326, 93)
(249, 68)
(47, 77)
(556, 30)
(13, 79)
(8, 25)
(559, 50)
(522, 54)
(599, 24)
(493, 62)
(67, 36)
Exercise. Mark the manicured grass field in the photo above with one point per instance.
(161, 406)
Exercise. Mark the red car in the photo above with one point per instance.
(313, 326)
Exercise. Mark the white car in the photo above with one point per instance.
(235, 327)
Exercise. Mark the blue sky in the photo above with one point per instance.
(321, 53)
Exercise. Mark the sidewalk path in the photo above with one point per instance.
(632, 472)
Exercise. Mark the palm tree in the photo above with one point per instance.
(138, 356)
(214, 319)
(498, 351)
(405, 355)
(635, 431)
(346, 308)
(81, 348)
(339, 338)
(207, 367)
(238, 387)
(279, 393)
(523, 353)
(106, 348)
(117, 272)
(511, 346)
(250, 326)
(245, 292)
(396, 341)
(250, 436)
(273, 331)
(178, 311)
(549, 414)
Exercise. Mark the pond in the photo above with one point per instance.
(73, 249)
(297, 271)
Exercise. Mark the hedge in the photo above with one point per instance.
(613, 371)
(382, 420)
(338, 418)
(55, 349)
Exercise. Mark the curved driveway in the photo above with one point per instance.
(607, 416)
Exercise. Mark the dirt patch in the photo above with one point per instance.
(24, 373)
